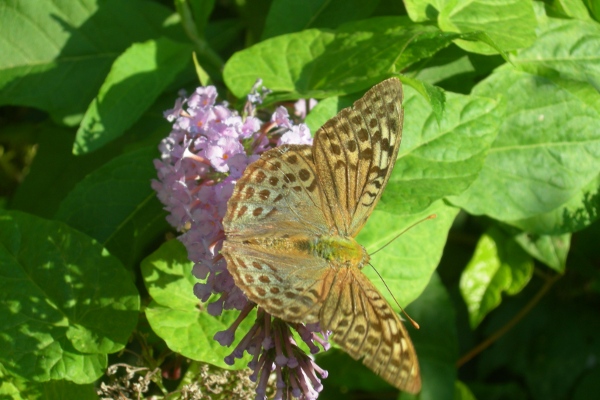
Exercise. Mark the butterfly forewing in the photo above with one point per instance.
(277, 202)
(279, 191)
(355, 152)
(289, 232)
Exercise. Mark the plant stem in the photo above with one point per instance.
(549, 281)
(202, 48)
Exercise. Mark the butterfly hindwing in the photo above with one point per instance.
(365, 326)
(288, 286)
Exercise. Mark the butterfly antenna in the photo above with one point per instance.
(432, 216)
(412, 321)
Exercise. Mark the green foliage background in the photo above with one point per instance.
(501, 141)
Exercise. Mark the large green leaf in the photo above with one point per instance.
(509, 23)
(116, 205)
(498, 265)
(321, 63)
(440, 159)
(54, 172)
(51, 390)
(424, 10)
(437, 353)
(59, 52)
(571, 47)
(177, 316)
(64, 302)
(548, 148)
(408, 262)
(454, 69)
(136, 79)
(576, 214)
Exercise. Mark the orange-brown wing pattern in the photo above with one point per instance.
(274, 208)
(355, 152)
(367, 327)
(278, 192)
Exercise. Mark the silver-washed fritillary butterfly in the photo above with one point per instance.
(290, 228)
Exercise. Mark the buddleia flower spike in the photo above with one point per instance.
(203, 157)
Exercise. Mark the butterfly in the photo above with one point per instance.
(290, 226)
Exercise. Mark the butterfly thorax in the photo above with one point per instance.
(342, 251)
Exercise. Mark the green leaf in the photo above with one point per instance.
(435, 96)
(551, 250)
(547, 150)
(571, 8)
(462, 392)
(407, 263)
(594, 7)
(60, 52)
(424, 10)
(509, 23)
(177, 316)
(440, 159)
(498, 265)
(54, 171)
(570, 47)
(59, 390)
(325, 109)
(64, 304)
(201, 11)
(287, 16)
(319, 63)
(203, 76)
(135, 81)
(117, 206)
(455, 70)
(15, 388)
(576, 214)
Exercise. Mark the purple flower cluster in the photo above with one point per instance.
(201, 160)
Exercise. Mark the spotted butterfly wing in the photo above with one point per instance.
(274, 207)
(290, 225)
(355, 152)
